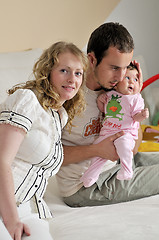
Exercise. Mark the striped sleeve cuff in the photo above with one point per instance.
(16, 120)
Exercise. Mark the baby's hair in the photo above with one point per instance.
(132, 67)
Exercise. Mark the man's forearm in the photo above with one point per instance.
(75, 154)
(104, 149)
(138, 141)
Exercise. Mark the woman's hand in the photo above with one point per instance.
(17, 229)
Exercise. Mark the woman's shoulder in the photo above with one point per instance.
(20, 94)
(19, 109)
(20, 97)
(23, 102)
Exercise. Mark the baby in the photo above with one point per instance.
(124, 109)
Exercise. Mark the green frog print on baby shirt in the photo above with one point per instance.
(113, 108)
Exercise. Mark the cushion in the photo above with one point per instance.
(150, 95)
(150, 141)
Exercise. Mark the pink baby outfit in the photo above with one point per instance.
(119, 111)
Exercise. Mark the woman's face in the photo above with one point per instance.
(67, 75)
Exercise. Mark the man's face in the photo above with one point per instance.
(112, 68)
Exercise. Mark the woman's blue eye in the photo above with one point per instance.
(127, 78)
(63, 70)
(78, 73)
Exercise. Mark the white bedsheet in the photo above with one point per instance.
(135, 220)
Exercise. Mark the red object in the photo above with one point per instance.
(150, 80)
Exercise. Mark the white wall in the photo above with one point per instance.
(39, 23)
(141, 18)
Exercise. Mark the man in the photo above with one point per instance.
(110, 50)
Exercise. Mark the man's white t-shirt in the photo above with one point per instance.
(86, 130)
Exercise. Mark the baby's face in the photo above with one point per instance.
(130, 84)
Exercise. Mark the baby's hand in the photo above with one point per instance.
(101, 101)
(141, 115)
(102, 98)
(145, 113)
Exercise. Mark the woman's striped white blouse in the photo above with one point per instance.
(40, 154)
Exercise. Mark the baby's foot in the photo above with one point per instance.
(122, 175)
(87, 182)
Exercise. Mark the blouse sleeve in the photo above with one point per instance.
(19, 109)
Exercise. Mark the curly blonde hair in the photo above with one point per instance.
(45, 92)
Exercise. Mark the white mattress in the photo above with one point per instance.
(135, 220)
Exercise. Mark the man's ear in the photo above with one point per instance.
(92, 59)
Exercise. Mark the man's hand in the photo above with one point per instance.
(140, 73)
(138, 141)
(106, 149)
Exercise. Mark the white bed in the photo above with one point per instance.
(136, 220)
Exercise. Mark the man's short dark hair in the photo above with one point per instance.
(107, 35)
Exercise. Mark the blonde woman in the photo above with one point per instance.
(31, 120)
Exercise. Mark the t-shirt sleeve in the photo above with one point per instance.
(19, 109)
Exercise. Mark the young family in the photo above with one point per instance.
(61, 103)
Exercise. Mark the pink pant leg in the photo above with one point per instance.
(124, 147)
(92, 173)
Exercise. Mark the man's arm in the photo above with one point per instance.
(138, 141)
(140, 117)
(104, 149)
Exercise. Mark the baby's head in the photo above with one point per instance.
(130, 84)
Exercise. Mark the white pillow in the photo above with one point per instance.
(16, 67)
(150, 94)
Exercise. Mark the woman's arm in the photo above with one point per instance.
(104, 149)
(10, 140)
